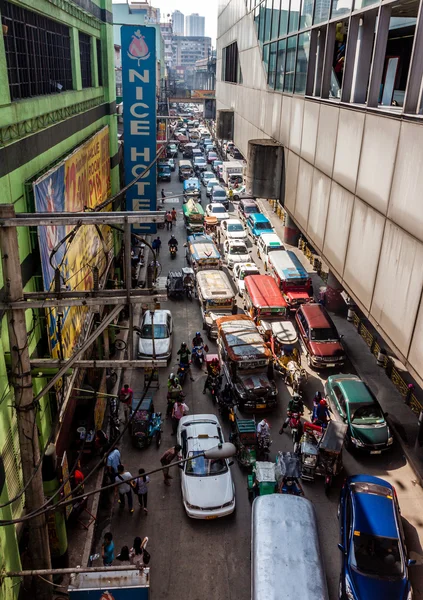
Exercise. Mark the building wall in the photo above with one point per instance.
(35, 133)
(353, 185)
(195, 24)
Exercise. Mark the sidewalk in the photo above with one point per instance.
(401, 418)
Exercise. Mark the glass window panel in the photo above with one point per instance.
(262, 22)
(268, 24)
(362, 3)
(280, 65)
(275, 18)
(272, 64)
(307, 13)
(294, 15)
(321, 11)
(291, 54)
(341, 7)
(283, 19)
(302, 62)
(257, 18)
(266, 50)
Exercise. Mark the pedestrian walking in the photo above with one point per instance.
(141, 489)
(125, 488)
(173, 213)
(126, 396)
(166, 459)
(169, 220)
(163, 196)
(136, 553)
(124, 556)
(108, 549)
(156, 245)
(112, 463)
(179, 410)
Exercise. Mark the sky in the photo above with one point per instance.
(206, 9)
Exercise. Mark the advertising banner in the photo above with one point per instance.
(139, 118)
(80, 181)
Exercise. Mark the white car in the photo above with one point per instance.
(161, 329)
(236, 252)
(207, 176)
(212, 182)
(217, 210)
(240, 272)
(208, 491)
(233, 229)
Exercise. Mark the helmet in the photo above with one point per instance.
(198, 333)
(215, 360)
(172, 376)
(183, 345)
(296, 396)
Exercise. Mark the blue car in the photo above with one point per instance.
(258, 224)
(374, 554)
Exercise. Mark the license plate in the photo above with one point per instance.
(376, 452)
(330, 364)
(211, 517)
(260, 406)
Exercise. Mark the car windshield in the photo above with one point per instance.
(245, 274)
(208, 175)
(325, 334)
(250, 209)
(219, 193)
(218, 209)
(235, 227)
(374, 555)
(200, 466)
(238, 249)
(370, 413)
(263, 225)
(160, 332)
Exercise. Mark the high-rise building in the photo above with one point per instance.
(189, 49)
(178, 22)
(194, 25)
(167, 35)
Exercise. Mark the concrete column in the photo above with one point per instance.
(350, 58)
(415, 71)
(76, 59)
(94, 69)
(328, 60)
(291, 233)
(320, 53)
(333, 298)
(363, 57)
(379, 54)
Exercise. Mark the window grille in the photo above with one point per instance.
(85, 55)
(38, 53)
(99, 63)
(13, 468)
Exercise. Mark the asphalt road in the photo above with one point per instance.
(195, 560)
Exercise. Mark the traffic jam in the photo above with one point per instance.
(263, 331)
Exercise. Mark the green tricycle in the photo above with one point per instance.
(262, 480)
(244, 438)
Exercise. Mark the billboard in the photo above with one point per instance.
(80, 181)
(139, 118)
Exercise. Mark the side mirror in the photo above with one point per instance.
(341, 336)
(231, 462)
(340, 546)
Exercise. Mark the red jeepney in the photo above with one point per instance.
(291, 277)
(263, 299)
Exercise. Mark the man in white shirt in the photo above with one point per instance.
(125, 488)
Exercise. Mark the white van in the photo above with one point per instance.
(266, 243)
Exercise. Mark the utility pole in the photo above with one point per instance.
(38, 541)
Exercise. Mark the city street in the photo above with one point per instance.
(201, 559)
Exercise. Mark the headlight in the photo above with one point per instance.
(317, 358)
(348, 590)
(357, 442)
(192, 506)
(390, 440)
(228, 503)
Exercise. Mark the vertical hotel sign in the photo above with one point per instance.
(139, 117)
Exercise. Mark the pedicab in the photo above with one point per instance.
(175, 284)
(262, 480)
(210, 226)
(286, 352)
(321, 451)
(146, 424)
(244, 439)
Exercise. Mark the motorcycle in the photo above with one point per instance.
(264, 443)
(173, 250)
(226, 409)
(296, 430)
(171, 399)
(189, 290)
(214, 384)
(198, 355)
(182, 372)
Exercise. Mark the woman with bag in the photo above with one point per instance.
(138, 553)
(141, 489)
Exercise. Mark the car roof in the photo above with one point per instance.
(259, 217)
(220, 188)
(374, 515)
(316, 315)
(216, 204)
(354, 390)
(160, 317)
(268, 238)
(236, 242)
(233, 222)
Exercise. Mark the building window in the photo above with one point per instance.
(307, 13)
(231, 70)
(302, 62)
(291, 55)
(294, 16)
(38, 53)
(280, 65)
(262, 21)
(283, 20)
(341, 7)
(99, 63)
(268, 22)
(266, 51)
(85, 55)
(272, 64)
(275, 18)
(321, 11)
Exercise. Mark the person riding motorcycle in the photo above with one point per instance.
(263, 429)
(174, 392)
(213, 371)
(316, 401)
(295, 405)
(173, 242)
(197, 340)
(184, 358)
(322, 413)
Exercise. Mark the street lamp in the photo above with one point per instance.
(223, 450)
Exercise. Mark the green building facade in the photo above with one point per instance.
(57, 89)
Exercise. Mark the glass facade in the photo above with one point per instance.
(291, 59)
(302, 62)
(280, 65)
(273, 52)
(294, 16)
